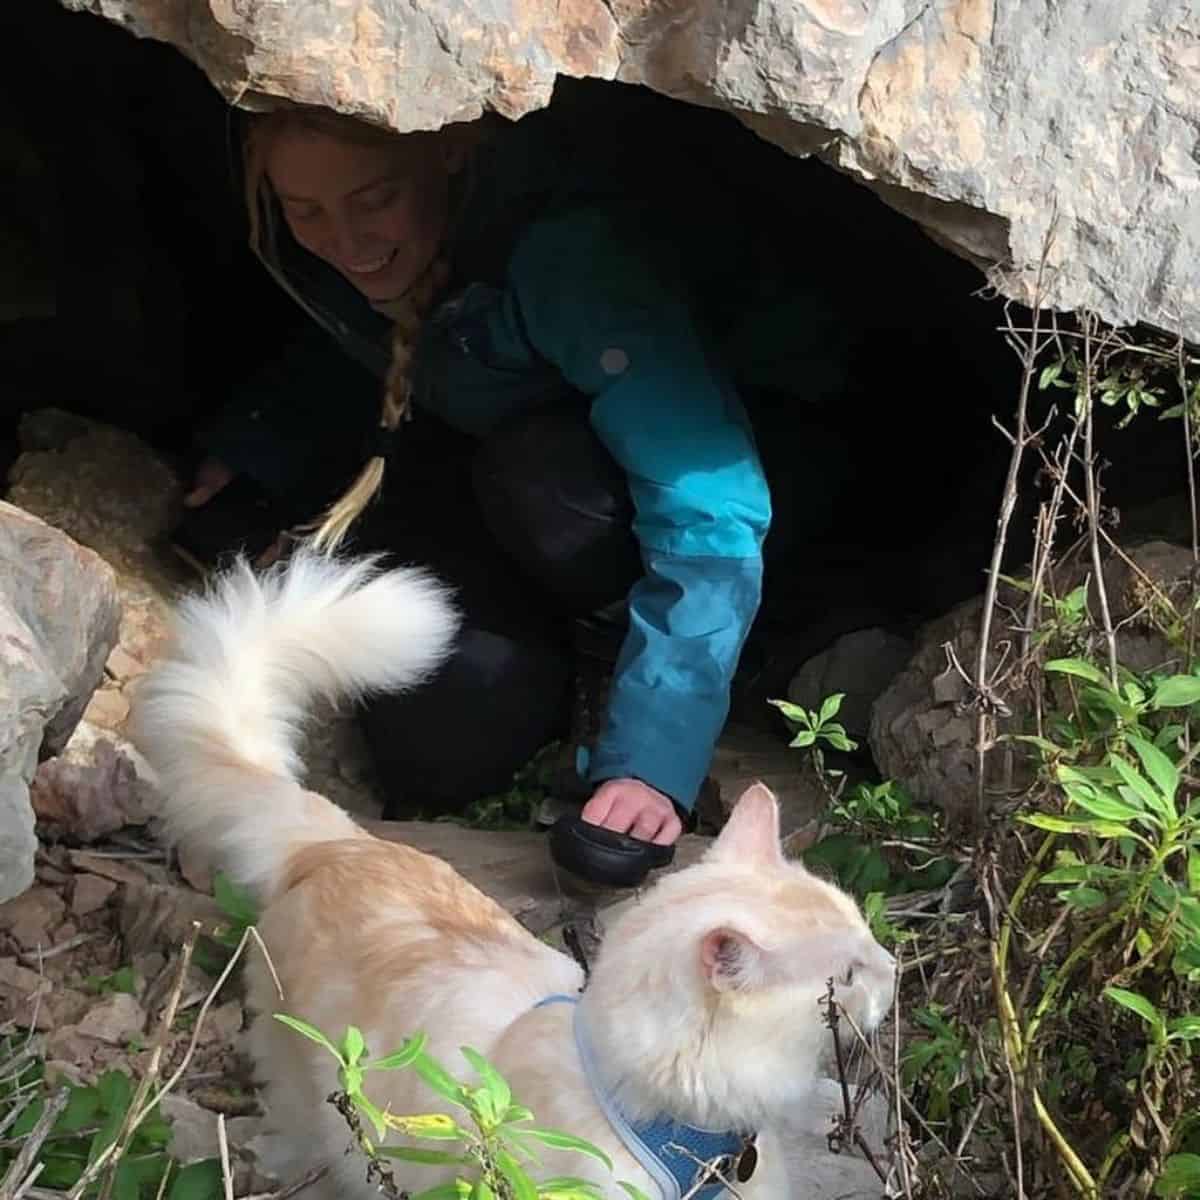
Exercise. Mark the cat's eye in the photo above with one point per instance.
(848, 978)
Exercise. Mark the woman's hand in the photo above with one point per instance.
(633, 807)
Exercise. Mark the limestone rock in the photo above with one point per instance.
(860, 665)
(977, 120)
(32, 917)
(115, 1020)
(94, 788)
(923, 732)
(58, 623)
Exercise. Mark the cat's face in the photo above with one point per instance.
(718, 976)
(790, 935)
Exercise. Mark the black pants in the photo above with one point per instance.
(533, 529)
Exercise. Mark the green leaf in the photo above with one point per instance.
(1077, 666)
(635, 1193)
(793, 712)
(515, 1113)
(565, 1141)
(497, 1087)
(1107, 807)
(567, 1183)
(116, 1092)
(830, 706)
(1097, 828)
(418, 1155)
(234, 901)
(83, 1106)
(197, 1181)
(353, 1045)
(30, 1115)
(837, 738)
(1179, 691)
(403, 1057)
(1160, 769)
(1138, 786)
(1084, 897)
(439, 1079)
(1184, 1028)
(371, 1111)
(1180, 1178)
(1049, 374)
(445, 1191)
(1067, 875)
(309, 1031)
(1193, 872)
(1138, 1003)
(482, 1191)
(125, 1182)
(805, 737)
(522, 1186)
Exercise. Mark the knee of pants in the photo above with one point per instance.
(466, 732)
(558, 503)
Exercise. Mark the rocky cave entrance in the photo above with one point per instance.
(128, 297)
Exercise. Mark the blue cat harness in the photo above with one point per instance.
(674, 1155)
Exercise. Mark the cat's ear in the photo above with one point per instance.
(729, 960)
(751, 835)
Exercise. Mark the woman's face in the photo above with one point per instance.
(375, 213)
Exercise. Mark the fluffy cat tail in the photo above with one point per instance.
(220, 718)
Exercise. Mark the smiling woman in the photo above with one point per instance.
(371, 204)
(621, 378)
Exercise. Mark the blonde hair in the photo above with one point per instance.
(408, 313)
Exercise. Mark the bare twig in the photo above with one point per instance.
(1032, 350)
(1091, 492)
(141, 1111)
(223, 1150)
(131, 1121)
(17, 1178)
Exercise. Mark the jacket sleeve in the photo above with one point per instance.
(300, 415)
(591, 298)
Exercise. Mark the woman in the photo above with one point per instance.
(575, 350)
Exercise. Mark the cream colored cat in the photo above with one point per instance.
(702, 1006)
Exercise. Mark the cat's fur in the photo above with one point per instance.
(703, 1001)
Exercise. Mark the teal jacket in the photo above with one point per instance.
(632, 308)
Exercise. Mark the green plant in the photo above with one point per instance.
(516, 807)
(240, 912)
(882, 841)
(1121, 854)
(938, 1063)
(89, 1122)
(491, 1153)
(121, 980)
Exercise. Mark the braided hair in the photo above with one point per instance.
(408, 312)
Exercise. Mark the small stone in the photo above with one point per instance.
(65, 932)
(24, 995)
(109, 868)
(114, 1020)
(32, 916)
(223, 1023)
(67, 1044)
(123, 666)
(66, 1006)
(59, 1072)
(90, 893)
(193, 1129)
(158, 917)
(107, 708)
(196, 869)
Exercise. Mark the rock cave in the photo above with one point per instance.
(910, 154)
